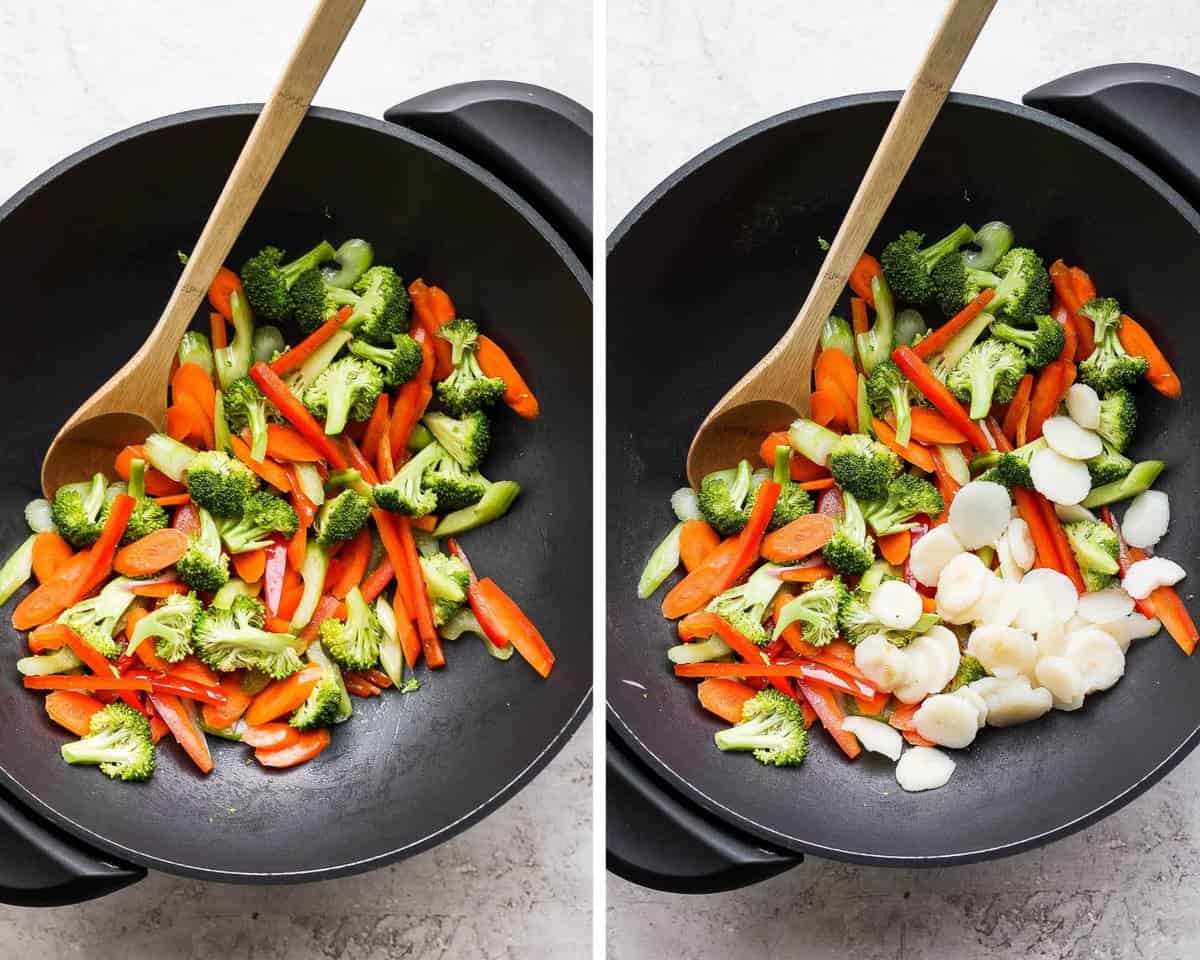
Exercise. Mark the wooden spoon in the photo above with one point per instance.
(132, 404)
(776, 390)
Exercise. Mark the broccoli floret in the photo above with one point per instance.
(467, 388)
(466, 439)
(907, 264)
(447, 580)
(1109, 368)
(969, 670)
(454, 487)
(857, 622)
(1041, 344)
(407, 492)
(383, 306)
(329, 701)
(1109, 467)
(1096, 550)
(234, 639)
(204, 567)
(955, 284)
(95, 618)
(313, 300)
(267, 279)
(744, 606)
(724, 498)
(772, 726)
(850, 551)
(219, 483)
(348, 479)
(862, 466)
(77, 510)
(816, 610)
(1024, 289)
(888, 390)
(346, 389)
(876, 345)
(171, 627)
(1011, 469)
(246, 406)
(119, 741)
(907, 497)
(263, 514)
(354, 643)
(989, 373)
(398, 363)
(1118, 419)
(341, 517)
(147, 515)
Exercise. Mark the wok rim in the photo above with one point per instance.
(34, 805)
(630, 737)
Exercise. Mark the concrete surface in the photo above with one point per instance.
(517, 885)
(682, 75)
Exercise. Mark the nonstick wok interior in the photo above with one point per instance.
(95, 248)
(705, 275)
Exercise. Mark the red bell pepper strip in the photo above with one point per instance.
(831, 677)
(750, 539)
(937, 339)
(93, 659)
(936, 393)
(173, 685)
(180, 718)
(703, 623)
(273, 575)
(414, 396)
(865, 270)
(296, 413)
(798, 669)
(79, 682)
(294, 358)
(359, 461)
(824, 702)
(503, 620)
(378, 579)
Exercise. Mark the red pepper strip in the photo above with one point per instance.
(798, 669)
(1031, 513)
(703, 624)
(327, 608)
(431, 644)
(294, 358)
(77, 682)
(180, 718)
(820, 673)
(750, 539)
(296, 413)
(936, 340)
(181, 687)
(273, 575)
(936, 393)
(102, 552)
(503, 620)
(414, 396)
(378, 579)
(1066, 556)
(865, 270)
(824, 702)
(359, 462)
(92, 658)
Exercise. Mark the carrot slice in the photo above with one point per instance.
(895, 546)
(154, 552)
(902, 716)
(1043, 541)
(801, 468)
(702, 584)
(865, 270)
(1017, 408)
(378, 579)
(49, 636)
(916, 740)
(354, 559)
(72, 710)
(1044, 400)
(1064, 287)
(929, 426)
(824, 702)
(158, 590)
(270, 736)
(432, 307)
(1137, 341)
(696, 541)
(935, 341)
(174, 500)
(806, 574)
(192, 380)
(220, 337)
(250, 565)
(237, 700)
(377, 426)
(834, 367)
(294, 358)
(308, 746)
(286, 443)
(179, 714)
(50, 552)
(220, 291)
(1059, 311)
(269, 470)
(798, 539)
(283, 696)
(858, 313)
(912, 451)
(724, 697)
(495, 363)
(831, 408)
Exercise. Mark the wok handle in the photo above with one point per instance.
(41, 867)
(536, 141)
(1148, 110)
(656, 840)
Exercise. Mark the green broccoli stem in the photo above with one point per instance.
(749, 734)
(1140, 479)
(112, 746)
(323, 252)
(948, 244)
(349, 479)
(898, 395)
(494, 504)
(983, 385)
(256, 417)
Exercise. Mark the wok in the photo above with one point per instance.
(97, 237)
(708, 270)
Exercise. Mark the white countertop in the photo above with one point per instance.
(683, 75)
(516, 885)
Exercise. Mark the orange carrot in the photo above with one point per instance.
(50, 552)
(193, 668)
(702, 584)
(237, 701)
(1017, 407)
(1060, 313)
(377, 426)
(270, 736)
(1043, 540)
(1064, 287)
(823, 484)
(1062, 546)
(696, 541)
(192, 380)
(947, 486)
(354, 559)
(796, 540)
(250, 565)
(157, 484)
(792, 635)
(865, 270)
(154, 552)
(296, 547)
(801, 468)
(286, 443)
(173, 500)
(938, 339)
(495, 363)
(220, 338)
(1043, 401)
(307, 746)
(913, 452)
(895, 546)
(50, 636)
(72, 710)
(428, 523)
(824, 701)
(269, 470)
(385, 466)
(358, 685)
(834, 367)
(377, 580)
(183, 425)
(1085, 290)
(283, 696)
(180, 716)
(902, 716)
(220, 291)
(414, 396)
(832, 408)
(158, 590)
(858, 313)
(916, 740)
(432, 307)
(929, 426)
(724, 697)
(294, 358)
(1137, 341)
(806, 574)
(431, 644)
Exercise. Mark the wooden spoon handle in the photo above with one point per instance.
(943, 59)
(272, 132)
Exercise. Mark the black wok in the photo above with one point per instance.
(96, 237)
(707, 271)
